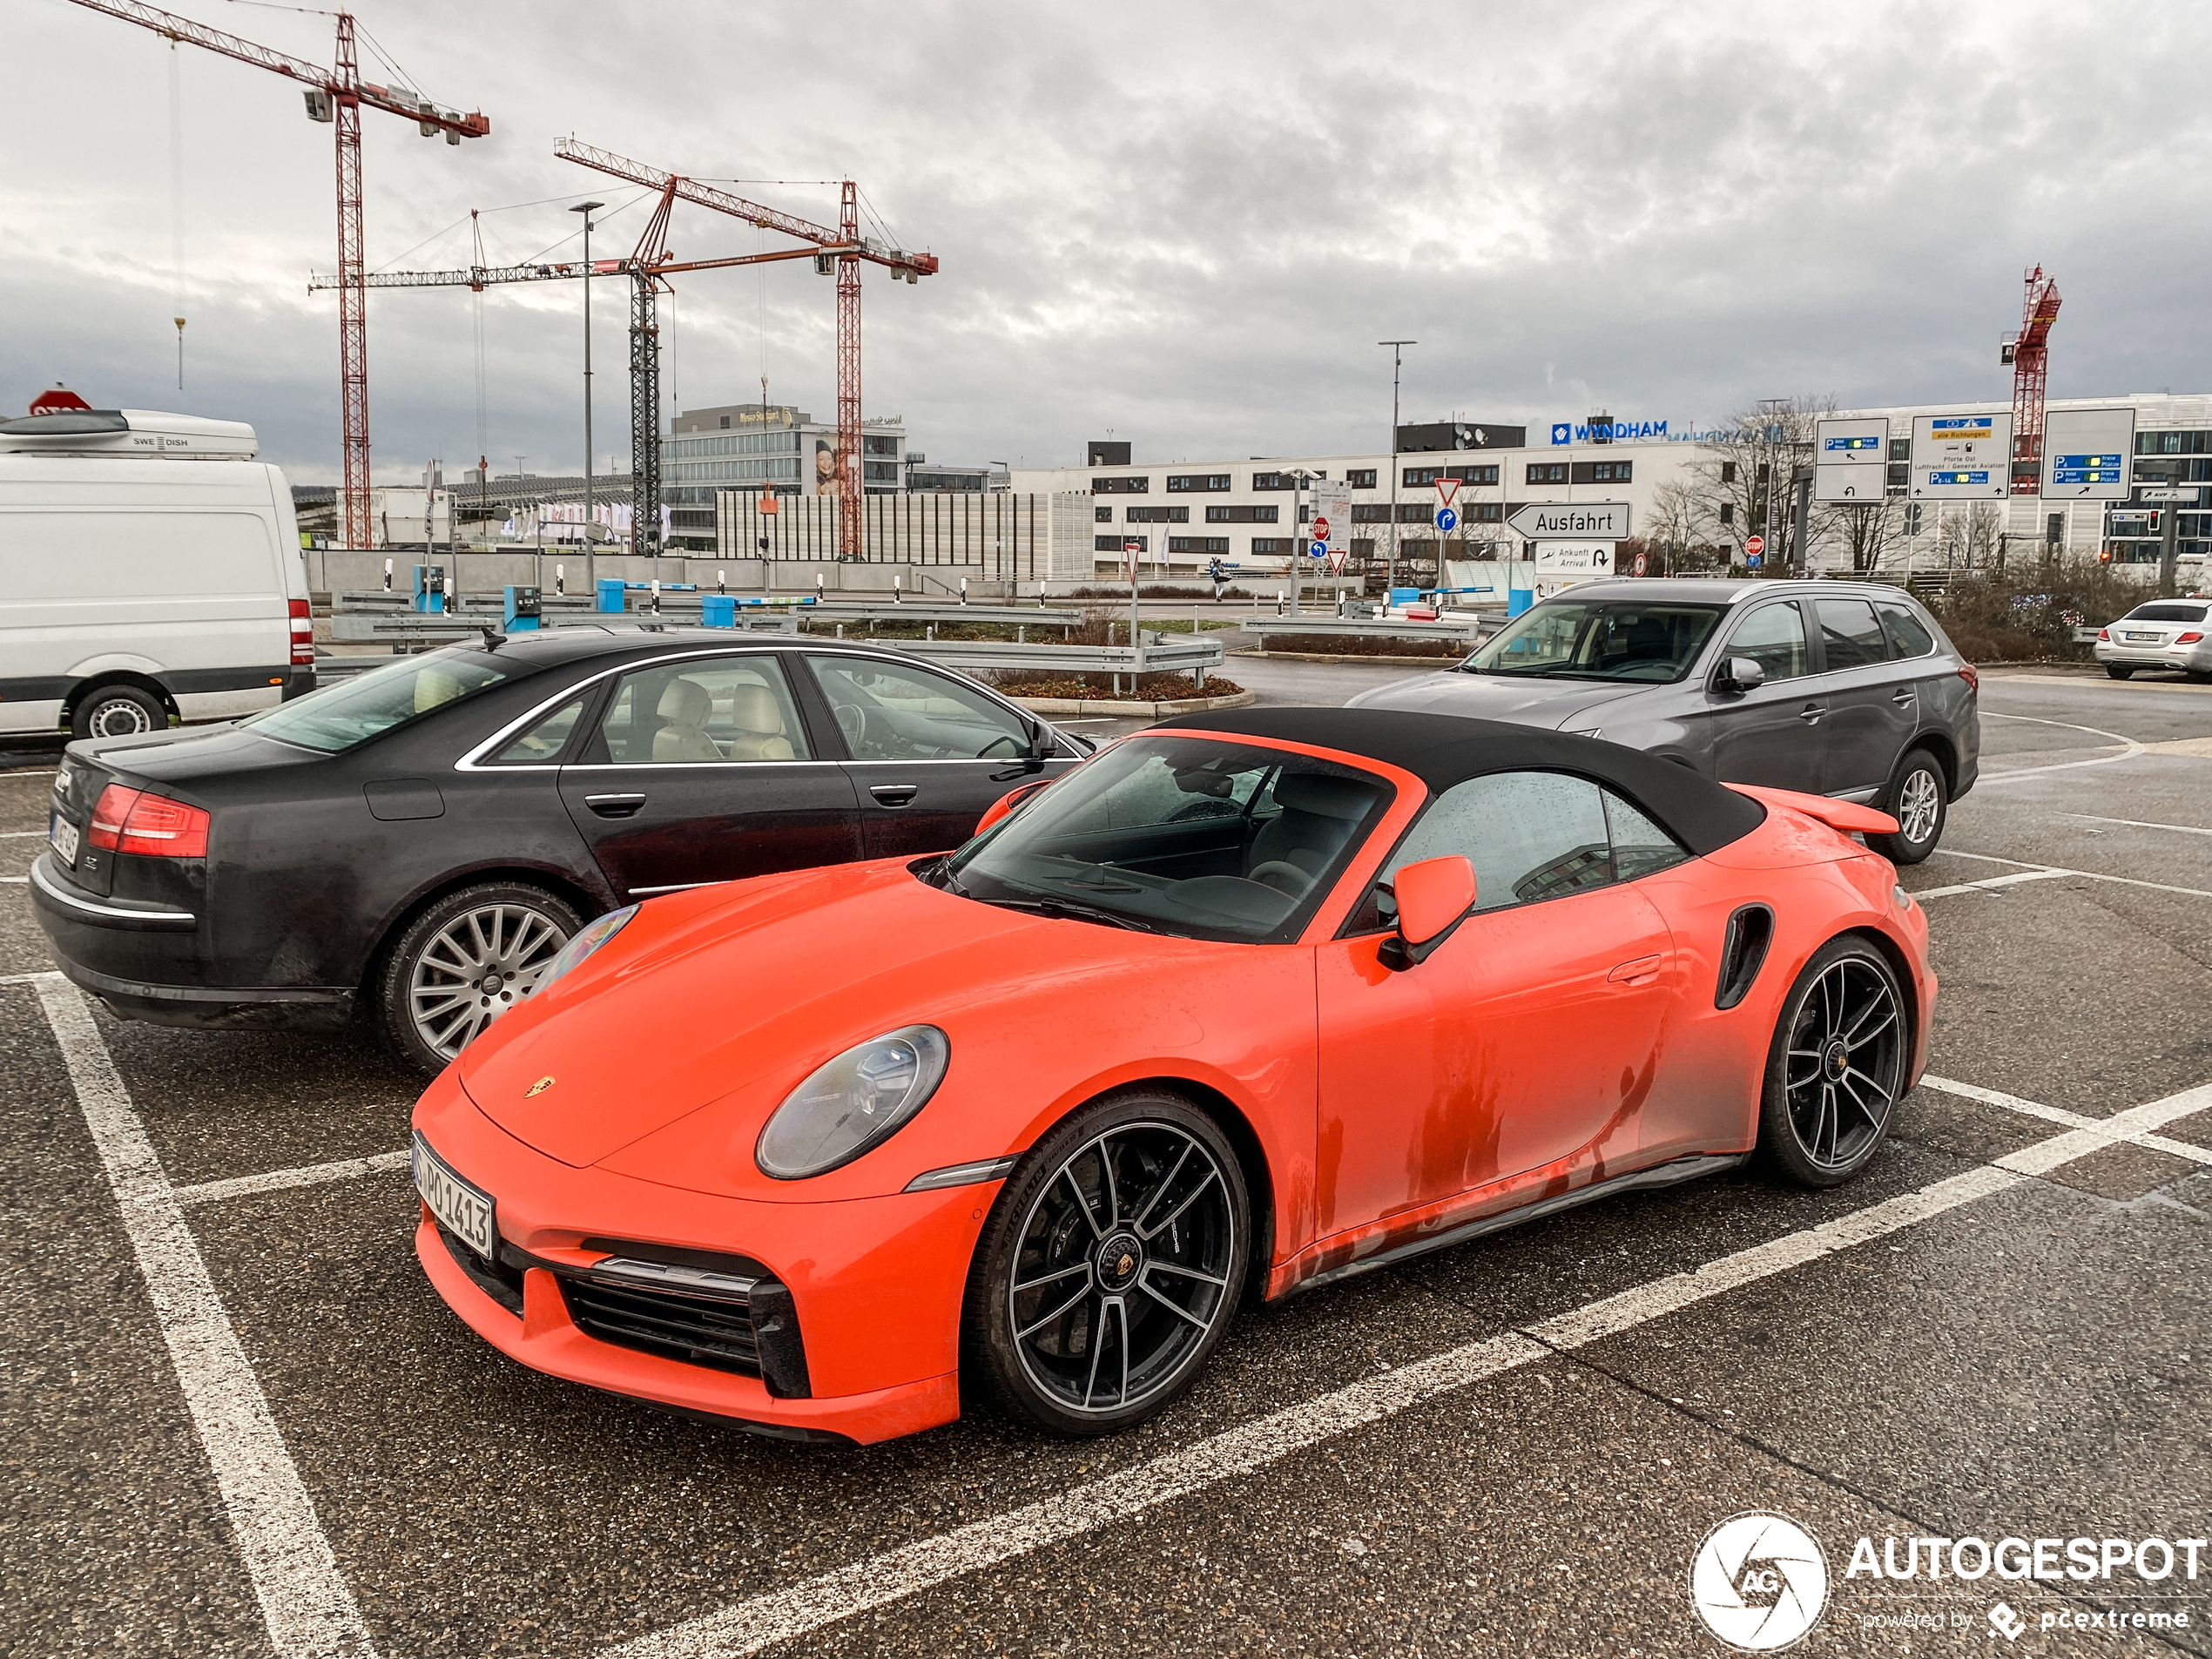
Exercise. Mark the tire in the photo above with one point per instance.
(118, 712)
(1130, 1217)
(2119, 670)
(1820, 1125)
(1919, 798)
(432, 997)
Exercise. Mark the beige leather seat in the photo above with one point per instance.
(759, 723)
(685, 706)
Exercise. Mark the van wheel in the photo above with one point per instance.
(463, 963)
(119, 712)
(1918, 800)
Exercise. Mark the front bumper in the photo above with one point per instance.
(875, 1284)
(2193, 659)
(147, 962)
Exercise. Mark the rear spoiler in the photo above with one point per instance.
(1842, 815)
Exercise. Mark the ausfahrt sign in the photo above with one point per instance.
(1565, 522)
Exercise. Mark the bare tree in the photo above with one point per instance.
(1747, 469)
(1866, 531)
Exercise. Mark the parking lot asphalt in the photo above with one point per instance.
(238, 1420)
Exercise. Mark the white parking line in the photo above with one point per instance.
(2011, 880)
(2116, 1132)
(2130, 748)
(2060, 869)
(304, 1602)
(784, 1615)
(22, 835)
(279, 1180)
(2137, 823)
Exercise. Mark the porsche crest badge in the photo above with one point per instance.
(538, 1087)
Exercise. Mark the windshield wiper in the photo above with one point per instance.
(1061, 910)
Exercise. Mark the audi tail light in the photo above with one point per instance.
(1972, 675)
(137, 821)
(303, 635)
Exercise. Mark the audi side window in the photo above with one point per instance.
(889, 711)
(542, 745)
(1909, 635)
(1850, 635)
(1774, 638)
(703, 712)
(1530, 835)
(1639, 847)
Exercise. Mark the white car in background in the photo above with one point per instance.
(2161, 633)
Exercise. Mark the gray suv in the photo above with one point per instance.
(1835, 688)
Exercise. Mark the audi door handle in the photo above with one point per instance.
(894, 794)
(614, 806)
(1811, 712)
(1902, 697)
(1641, 971)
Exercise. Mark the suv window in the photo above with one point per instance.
(703, 711)
(890, 711)
(1849, 634)
(1774, 638)
(1909, 635)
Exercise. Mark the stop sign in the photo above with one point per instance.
(1320, 529)
(1755, 546)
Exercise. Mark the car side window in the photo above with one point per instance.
(1909, 635)
(890, 711)
(703, 711)
(1530, 835)
(1639, 847)
(1774, 638)
(1849, 634)
(542, 745)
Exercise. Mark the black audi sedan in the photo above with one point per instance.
(417, 844)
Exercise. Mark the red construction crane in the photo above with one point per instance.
(844, 246)
(2029, 353)
(335, 95)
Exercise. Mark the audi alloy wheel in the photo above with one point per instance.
(464, 962)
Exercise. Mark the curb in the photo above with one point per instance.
(1374, 657)
(1149, 710)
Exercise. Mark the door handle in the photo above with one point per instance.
(894, 794)
(1902, 696)
(614, 806)
(1811, 712)
(1641, 971)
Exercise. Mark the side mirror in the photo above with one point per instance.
(1434, 897)
(1004, 807)
(1742, 674)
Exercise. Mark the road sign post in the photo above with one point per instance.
(1562, 522)
(1962, 457)
(1754, 546)
(2085, 454)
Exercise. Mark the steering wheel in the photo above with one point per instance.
(853, 721)
(1284, 877)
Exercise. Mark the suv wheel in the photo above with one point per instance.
(465, 962)
(1919, 800)
(119, 712)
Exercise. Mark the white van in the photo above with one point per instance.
(150, 570)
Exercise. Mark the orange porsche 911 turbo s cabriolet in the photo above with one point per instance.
(1244, 1004)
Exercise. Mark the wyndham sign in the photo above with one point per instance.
(1606, 431)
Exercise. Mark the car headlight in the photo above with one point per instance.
(856, 1102)
(588, 939)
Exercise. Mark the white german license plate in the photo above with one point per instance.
(63, 835)
(465, 1210)
(2141, 639)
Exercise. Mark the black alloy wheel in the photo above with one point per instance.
(1919, 798)
(2119, 670)
(463, 963)
(119, 712)
(1836, 1066)
(1109, 1267)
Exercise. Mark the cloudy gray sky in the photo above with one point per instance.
(1180, 224)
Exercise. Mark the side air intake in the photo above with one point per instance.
(1750, 930)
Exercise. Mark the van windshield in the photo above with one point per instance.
(354, 710)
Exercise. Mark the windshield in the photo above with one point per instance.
(2168, 613)
(1598, 639)
(1191, 836)
(354, 710)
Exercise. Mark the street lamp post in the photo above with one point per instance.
(590, 567)
(1390, 556)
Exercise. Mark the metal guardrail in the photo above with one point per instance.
(435, 628)
(1466, 632)
(1156, 656)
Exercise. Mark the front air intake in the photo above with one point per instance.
(1750, 930)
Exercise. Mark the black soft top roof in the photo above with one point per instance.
(1442, 750)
